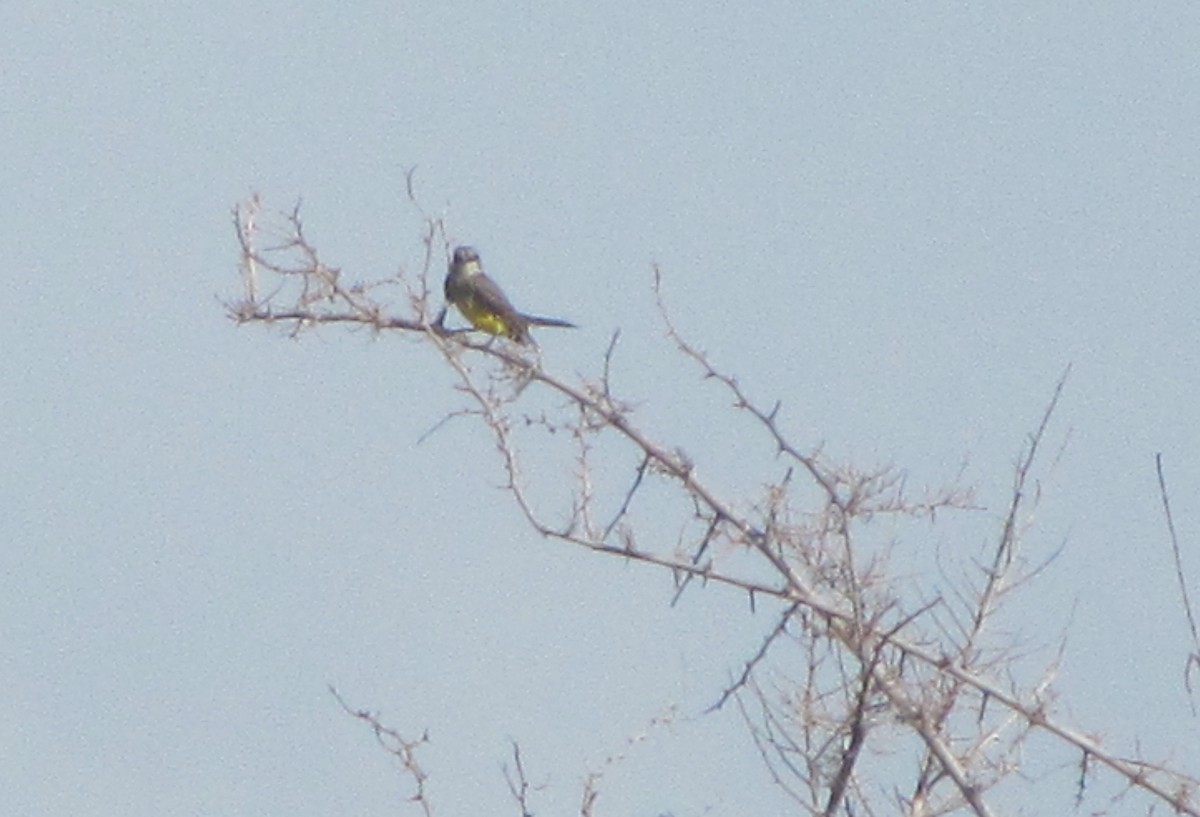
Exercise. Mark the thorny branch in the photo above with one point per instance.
(403, 749)
(779, 630)
(866, 655)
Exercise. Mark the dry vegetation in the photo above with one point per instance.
(878, 676)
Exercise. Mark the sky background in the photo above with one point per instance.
(904, 221)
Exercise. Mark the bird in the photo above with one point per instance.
(484, 304)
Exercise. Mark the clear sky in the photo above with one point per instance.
(901, 220)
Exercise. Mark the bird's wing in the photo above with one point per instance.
(491, 297)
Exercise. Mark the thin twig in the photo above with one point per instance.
(1193, 661)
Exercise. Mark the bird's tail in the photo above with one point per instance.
(535, 320)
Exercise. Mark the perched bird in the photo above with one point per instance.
(484, 304)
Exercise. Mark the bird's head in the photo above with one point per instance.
(464, 256)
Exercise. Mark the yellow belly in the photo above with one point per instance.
(483, 320)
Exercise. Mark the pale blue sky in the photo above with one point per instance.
(902, 220)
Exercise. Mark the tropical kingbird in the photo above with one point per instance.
(484, 304)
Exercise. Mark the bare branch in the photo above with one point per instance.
(395, 744)
(518, 783)
(870, 659)
(1193, 660)
(779, 629)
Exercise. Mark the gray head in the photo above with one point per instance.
(465, 255)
